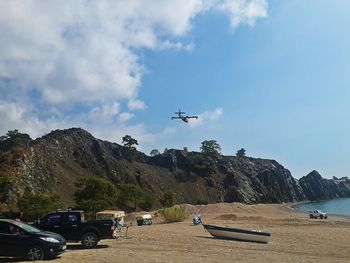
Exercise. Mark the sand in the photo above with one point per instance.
(294, 238)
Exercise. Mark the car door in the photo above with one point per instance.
(70, 225)
(13, 240)
(52, 223)
(4, 239)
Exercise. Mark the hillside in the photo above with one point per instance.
(56, 160)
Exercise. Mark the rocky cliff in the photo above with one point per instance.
(56, 160)
(317, 188)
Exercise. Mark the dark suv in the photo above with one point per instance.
(18, 239)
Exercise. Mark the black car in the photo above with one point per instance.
(18, 239)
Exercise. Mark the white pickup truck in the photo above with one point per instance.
(318, 214)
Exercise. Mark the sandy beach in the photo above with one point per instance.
(294, 238)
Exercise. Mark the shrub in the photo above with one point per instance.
(173, 214)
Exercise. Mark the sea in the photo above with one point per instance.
(335, 206)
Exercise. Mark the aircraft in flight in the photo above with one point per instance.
(183, 117)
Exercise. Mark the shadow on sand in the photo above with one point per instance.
(11, 259)
(80, 247)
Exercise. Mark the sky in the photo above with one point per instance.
(267, 75)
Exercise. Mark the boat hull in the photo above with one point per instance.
(237, 234)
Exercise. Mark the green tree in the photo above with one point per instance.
(154, 152)
(147, 201)
(240, 152)
(130, 143)
(94, 194)
(33, 206)
(129, 193)
(5, 187)
(211, 148)
(16, 137)
(168, 199)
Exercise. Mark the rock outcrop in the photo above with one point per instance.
(317, 188)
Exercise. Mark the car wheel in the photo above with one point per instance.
(89, 240)
(321, 216)
(35, 253)
(311, 216)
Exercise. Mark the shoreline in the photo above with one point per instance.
(294, 205)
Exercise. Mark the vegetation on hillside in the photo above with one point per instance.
(211, 148)
(34, 206)
(95, 194)
(168, 199)
(5, 187)
(131, 196)
(240, 152)
(129, 143)
(154, 152)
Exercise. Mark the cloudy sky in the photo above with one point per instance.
(267, 75)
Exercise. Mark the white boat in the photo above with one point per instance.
(237, 234)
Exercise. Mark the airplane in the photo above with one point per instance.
(182, 117)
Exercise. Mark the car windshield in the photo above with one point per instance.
(26, 227)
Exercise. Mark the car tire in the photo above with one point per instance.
(35, 253)
(311, 217)
(89, 240)
(321, 216)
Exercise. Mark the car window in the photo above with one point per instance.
(4, 228)
(70, 218)
(26, 227)
(51, 219)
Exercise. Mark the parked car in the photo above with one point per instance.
(71, 224)
(318, 214)
(18, 239)
(144, 220)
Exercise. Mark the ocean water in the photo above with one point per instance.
(336, 206)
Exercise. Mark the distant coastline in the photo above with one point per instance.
(339, 207)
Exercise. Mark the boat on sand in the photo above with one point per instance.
(237, 234)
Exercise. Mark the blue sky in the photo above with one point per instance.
(269, 76)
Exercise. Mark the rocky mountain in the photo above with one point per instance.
(56, 160)
(317, 188)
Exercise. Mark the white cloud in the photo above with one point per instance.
(125, 116)
(73, 53)
(206, 117)
(136, 105)
(244, 11)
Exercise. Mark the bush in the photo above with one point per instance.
(173, 214)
